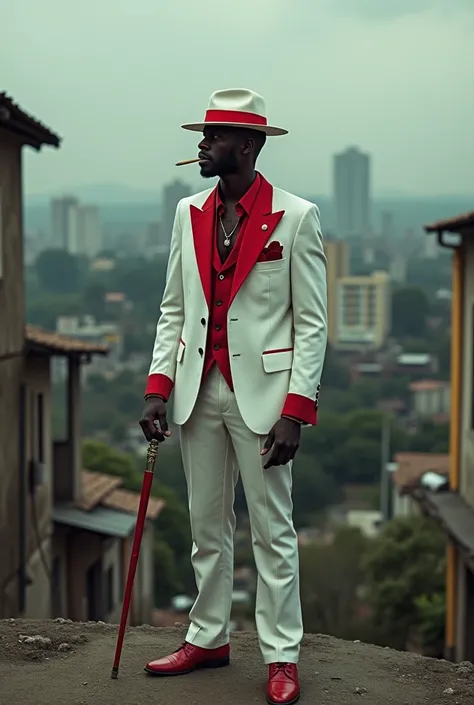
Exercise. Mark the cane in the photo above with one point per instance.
(137, 539)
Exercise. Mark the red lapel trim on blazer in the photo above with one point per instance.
(256, 234)
(202, 223)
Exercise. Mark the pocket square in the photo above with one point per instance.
(272, 252)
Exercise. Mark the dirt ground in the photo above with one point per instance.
(74, 667)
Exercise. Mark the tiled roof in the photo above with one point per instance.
(31, 130)
(452, 225)
(427, 385)
(94, 487)
(126, 501)
(55, 343)
(100, 488)
(412, 466)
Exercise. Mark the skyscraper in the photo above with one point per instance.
(74, 227)
(90, 231)
(172, 194)
(352, 193)
(65, 224)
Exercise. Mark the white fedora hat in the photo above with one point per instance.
(237, 107)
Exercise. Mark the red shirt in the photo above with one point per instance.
(217, 348)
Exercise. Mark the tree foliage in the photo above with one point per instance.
(405, 572)
(331, 578)
(410, 308)
(58, 272)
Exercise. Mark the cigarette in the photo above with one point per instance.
(187, 161)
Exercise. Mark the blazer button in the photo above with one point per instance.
(201, 351)
(221, 276)
(203, 321)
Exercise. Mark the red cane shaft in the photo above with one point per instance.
(137, 539)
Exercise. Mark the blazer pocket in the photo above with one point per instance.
(181, 349)
(271, 266)
(277, 360)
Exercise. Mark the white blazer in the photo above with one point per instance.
(277, 319)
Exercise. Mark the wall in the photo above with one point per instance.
(113, 560)
(38, 592)
(467, 416)
(83, 549)
(11, 365)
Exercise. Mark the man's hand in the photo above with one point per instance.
(283, 440)
(155, 410)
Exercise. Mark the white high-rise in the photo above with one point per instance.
(65, 224)
(352, 193)
(90, 230)
(172, 194)
(75, 228)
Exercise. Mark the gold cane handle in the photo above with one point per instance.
(151, 455)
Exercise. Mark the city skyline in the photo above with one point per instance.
(389, 79)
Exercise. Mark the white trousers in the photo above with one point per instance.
(216, 445)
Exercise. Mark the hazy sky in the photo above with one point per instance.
(116, 78)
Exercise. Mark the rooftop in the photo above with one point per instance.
(94, 487)
(100, 488)
(30, 130)
(410, 468)
(452, 225)
(428, 385)
(57, 344)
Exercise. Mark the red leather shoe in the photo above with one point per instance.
(283, 686)
(189, 658)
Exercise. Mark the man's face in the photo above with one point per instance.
(220, 152)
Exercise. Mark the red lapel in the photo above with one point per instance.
(202, 223)
(256, 235)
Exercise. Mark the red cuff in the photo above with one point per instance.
(302, 408)
(159, 384)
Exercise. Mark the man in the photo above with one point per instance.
(241, 339)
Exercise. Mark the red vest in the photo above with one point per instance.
(217, 348)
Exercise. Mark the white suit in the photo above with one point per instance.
(277, 329)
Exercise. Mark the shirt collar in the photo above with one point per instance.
(246, 202)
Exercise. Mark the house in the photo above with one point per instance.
(92, 544)
(411, 471)
(454, 507)
(20, 401)
(66, 535)
(430, 398)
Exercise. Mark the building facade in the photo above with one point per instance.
(352, 193)
(454, 508)
(172, 194)
(362, 312)
(337, 254)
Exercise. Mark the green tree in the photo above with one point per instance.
(331, 578)
(403, 565)
(58, 272)
(410, 308)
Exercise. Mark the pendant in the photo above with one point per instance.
(226, 242)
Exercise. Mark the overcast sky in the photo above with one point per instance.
(116, 78)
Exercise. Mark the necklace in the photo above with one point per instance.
(227, 236)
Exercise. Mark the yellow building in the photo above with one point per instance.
(454, 508)
(362, 312)
(337, 255)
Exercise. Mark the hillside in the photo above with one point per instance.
(333, 672)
